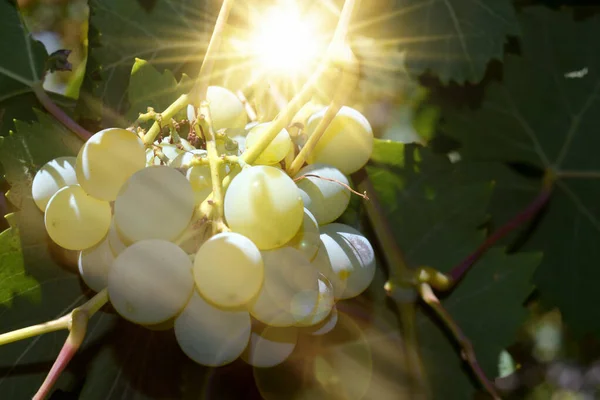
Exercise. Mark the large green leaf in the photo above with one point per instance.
(546, 113)
(168, 34)
(21, 67)
(454, 39)
(488, 306)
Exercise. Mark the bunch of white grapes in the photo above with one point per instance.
(247, 292)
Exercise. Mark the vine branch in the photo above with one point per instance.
(468, 353)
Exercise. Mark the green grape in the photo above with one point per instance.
(270, 346)
(262, 203)
(308, 239)
(276, 150)
(157, 202)
(226, 110)
(326, 199)
(94, 264)
(325, 303)
(209, 335)
(115, 239)
(228, 270)
(150, 281)
(75, 220)
(53, 175)
(326, 325)
(347, 143)
(198, 175)
(346, 258)
(290, 290)
(107, 160)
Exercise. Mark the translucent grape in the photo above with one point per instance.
(226, 110)
(115, 240)
(209, 335)
(262, 203)
(325, 199)
(94, 264)
(308, 239)
(228, 270)
(276, 150)
(290, 291)
(326, 325)
(53, 176)
(325, 303)
(107, 160)
(270, 346)
(75, 220)
(155, 203)
(347, 143)
(346, 258)
(150, 281)
(198, 175)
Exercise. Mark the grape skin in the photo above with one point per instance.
(226, 110)
(75, 220)
(262, 203)
(198, 175)
(53, 176)
(94, 264)
(228, 270)
(155, 203)
(325, 199)
(150, 282)
(325, 303)
(346, 258)
(276, 151)
(347, 143)
(308, 239)
(115, 240)
(211, 336)
(107, 160)
(270, 346)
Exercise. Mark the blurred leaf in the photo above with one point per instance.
(541, 117)
(488, 306)
(150, 88)
(169, 35)
(59, 61)
(454, 39)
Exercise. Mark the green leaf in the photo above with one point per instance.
(487, 305)
(170, 35)
(545, 115)
(454, 39)
(435, 208)
(150, 88)
(21, 67)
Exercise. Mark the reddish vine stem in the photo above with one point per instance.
(460, 270)
(60, 115)
(468, 353)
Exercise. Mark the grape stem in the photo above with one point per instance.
(467, 352)
(247, 106)
(59, 114)
(348, 81)
(363, 195)
(76, 322)
(198, 92)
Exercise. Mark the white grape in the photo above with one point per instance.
(115, 239)
(226, 110)
(198, 175)
(290, 291)
(326, 325)
(151, 158)
(228, 269)
(107, 160)
(53, 175)
(276, 150)
(346, 258)
(209, 335)
(155, 203)
(328, 198)
(325, 303)
(75, 220)
(308, 239)
(347, 143)
(270, 346)
(94, 264)
(150, 281)
(262, 203)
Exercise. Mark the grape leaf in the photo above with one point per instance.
(454, 39)
(545, 115)
(150, 88)
(487, 305)
(171, 35)
(21, 67)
